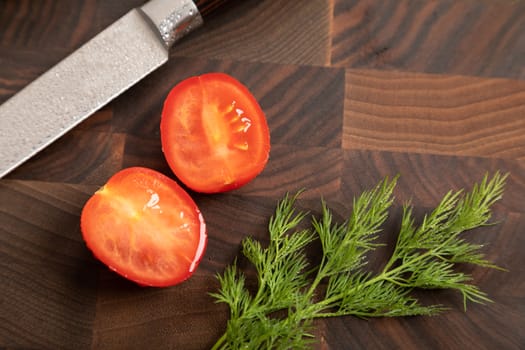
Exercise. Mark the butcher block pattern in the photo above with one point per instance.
(353, 91)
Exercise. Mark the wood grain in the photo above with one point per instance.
(63, 24)
(470, 37)
(425, 178)
(48, 289)
(293, 32)
(423, 113)
(137, 318)
(209, 7)
(353, 91)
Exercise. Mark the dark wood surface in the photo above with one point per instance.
(354, 90)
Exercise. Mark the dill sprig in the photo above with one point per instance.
(290, 294)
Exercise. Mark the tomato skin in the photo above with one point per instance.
(145, 227)
(214, 133)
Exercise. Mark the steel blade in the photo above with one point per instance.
(90, 77)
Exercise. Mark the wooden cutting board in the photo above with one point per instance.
(354, 90)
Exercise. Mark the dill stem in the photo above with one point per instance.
(318, 278)
(219, 342)
(260, 289)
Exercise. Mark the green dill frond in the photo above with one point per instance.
(266, 332)
(345, 245)
(348, 283)
(285, 218)
(253, 251)
(474, 209)
(233, 292)
(370, 209)
(291, 294)
(460, 251)
(367, 296)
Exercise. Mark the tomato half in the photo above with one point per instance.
(214, 133)
(145, 227)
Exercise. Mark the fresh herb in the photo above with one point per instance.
(290, 293)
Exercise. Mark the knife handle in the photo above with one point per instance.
(208, 7)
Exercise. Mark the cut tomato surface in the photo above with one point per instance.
(145, 227)
(214, 133)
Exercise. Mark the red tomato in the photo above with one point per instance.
(144, 226)
(214, 133)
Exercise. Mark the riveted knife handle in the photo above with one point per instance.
(208, 7)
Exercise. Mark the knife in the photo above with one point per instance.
(96, 73)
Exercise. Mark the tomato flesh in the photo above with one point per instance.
(145, 227)
(214, 133)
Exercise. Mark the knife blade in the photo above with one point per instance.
(93, 75)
